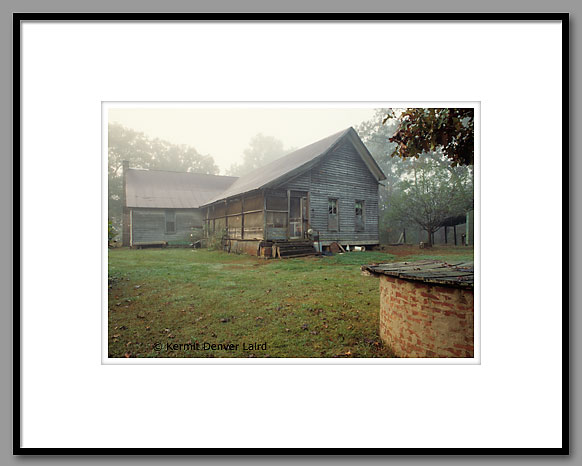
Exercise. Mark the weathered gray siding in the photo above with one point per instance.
(342, 175)
(149, 225)
(301, 183)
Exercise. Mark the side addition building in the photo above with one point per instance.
(163, 207)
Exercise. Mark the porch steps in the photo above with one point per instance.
(289, 249)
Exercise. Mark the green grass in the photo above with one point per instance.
(303, 307)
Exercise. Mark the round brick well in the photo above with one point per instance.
(426, 308)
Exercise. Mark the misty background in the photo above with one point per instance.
(424, 189)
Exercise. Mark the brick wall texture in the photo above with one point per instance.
(418, 320)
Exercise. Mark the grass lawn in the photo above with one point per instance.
(164, 302)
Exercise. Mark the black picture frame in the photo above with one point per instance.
(273, 17)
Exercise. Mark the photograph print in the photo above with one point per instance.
(273, 231)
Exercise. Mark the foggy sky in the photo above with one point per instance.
(224, 133)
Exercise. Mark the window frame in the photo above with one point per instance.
(337, 214)
(363, 215)
(170, 217)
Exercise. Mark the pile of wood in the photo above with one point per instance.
(336, 248)
(293, 249)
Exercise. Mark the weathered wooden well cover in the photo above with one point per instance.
(456, 273)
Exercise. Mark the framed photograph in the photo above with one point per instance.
(265, 217)
(291, 252)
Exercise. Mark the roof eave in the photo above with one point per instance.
(234, 196)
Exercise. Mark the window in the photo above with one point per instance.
(332, 205)
(170, 222)
(360, 223)
(332, 217)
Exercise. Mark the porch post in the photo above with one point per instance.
(226, 217)
(242, 219)
(288, 212)
(265, 215)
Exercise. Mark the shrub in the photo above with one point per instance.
(111, 233)
(216, 240)
(195, 234)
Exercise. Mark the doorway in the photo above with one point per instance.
(297, 217)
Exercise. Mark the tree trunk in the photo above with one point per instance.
(429, 242)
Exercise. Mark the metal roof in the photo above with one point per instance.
(172, 190)
(295, 163)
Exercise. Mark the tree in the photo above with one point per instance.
(261, 151)
(422, 189)
(149, 153)
(431, 191)
(376, 136)
(438, 130)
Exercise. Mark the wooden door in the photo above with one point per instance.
(295, 218)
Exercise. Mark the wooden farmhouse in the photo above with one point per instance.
(325, 192)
